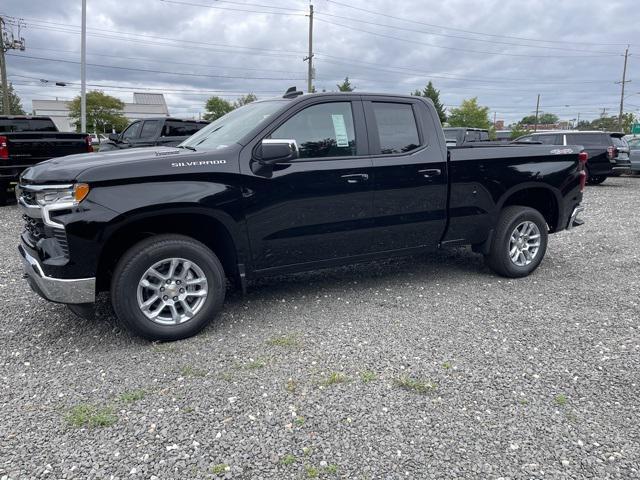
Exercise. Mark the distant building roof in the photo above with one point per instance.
(149, 98)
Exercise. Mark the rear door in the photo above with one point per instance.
(149, 133)
(318, 207)
(410, 169)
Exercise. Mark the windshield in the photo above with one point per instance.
(230, 128)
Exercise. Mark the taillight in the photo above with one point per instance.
(87, 140)
(582, 158)
(4, 148)
(612, 152)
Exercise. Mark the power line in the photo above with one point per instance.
(386, 15)
(297, 14)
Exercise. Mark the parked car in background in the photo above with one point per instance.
(282, 185)
(27, 140)
(459, 136)
(608, 151)
(95, 139)
(634, 151)
(151, 132)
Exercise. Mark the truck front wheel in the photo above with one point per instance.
(520, 242)
(167, 287)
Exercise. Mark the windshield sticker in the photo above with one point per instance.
(199, 163)
(340, 128)
(561, 151)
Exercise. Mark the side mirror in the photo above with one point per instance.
(273, 151)
(114, 137)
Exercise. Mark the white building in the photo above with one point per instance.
(144, 105)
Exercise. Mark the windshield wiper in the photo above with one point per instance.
(188, 147)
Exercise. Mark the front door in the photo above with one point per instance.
(410, 171)
(318, 207)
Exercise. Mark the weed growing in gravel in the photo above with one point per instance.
(447, 365)
(85, 415)
(306, 451)
(334, 378)
(226, 376)
(413, 385)
(133, 396)
(219, 469)
(288, 460)
(523, 401)
(561, 399)
(299, 421)
(189, 371)
(189, 410)
(285, 341)
(312, 472)
(291, 386)
(254, 364)
(331, 469)
(367, 376)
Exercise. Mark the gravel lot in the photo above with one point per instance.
(428, 367)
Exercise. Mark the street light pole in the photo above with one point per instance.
(83, 70)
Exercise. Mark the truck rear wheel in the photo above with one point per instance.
(167, 287)
(520, 242)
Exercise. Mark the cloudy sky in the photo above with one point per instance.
(504, 52)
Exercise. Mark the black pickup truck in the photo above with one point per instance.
(25, 141)
(283, 185)
(151, 132)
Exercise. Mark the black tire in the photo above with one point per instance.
(4, 195)
(499, 259)
(133, 265)
(596, 179)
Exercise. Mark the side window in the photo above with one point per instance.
(587, 139)
(472, 136)
(149, 128)
(397, 127)
(324, 130)
(548, 139)
(484, 136)
(133, 131)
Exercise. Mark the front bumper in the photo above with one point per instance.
(574, 219)
(59, 290)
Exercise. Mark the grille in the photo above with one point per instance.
(36, 230)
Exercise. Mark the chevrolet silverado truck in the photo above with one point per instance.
(281, 185)
(25, 141)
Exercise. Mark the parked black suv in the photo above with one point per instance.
(282, 185)
(150, 132)
(608, 151)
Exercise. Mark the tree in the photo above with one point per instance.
(15, 104)
(430, 92)
(104, 112)
(470, 114)
(517, 131)
(216, 107)
(543, 119)
(345, 86)
(244, 99)
(609, 123)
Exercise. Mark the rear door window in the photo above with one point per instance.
(587, 139)
(397, 128)
(175, 128)
(549, 139)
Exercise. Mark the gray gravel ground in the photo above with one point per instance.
(530, 378)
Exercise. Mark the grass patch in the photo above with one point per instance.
(219, 469)
(523, 401)
(561, 399)
(367, 376)
(291, 386)
(335, 378)
(331, 469)
(447, 365)
(133, 396)
(415, 385)
(85, 415)
(306, 451)
(312, 472)
(299, 421)
(289, 341)
(189, 371)
(288, 460)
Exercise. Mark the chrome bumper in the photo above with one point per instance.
(575, 220)
(59, 290)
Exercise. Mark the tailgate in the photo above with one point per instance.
(29, 148)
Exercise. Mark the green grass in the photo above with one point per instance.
(561, 399)
(291, 386)
(335, 378)
(132, 396)
(415, 385)
(189, 371)
(299, 421)
(288, 460)
(312, 472)
(85, 415)
(523, 401)
(219, 469)
(367, 376)
(447, 365)
(306, 451)
(289, 341)
(331, 469)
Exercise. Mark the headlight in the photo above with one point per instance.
(70, 196)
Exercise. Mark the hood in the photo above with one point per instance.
(129, 163)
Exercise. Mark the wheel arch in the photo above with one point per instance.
(543, 198)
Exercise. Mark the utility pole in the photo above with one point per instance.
(8, 43)
(622, 83)
(83, 70)
(535, 127)
(494, 119)
(309, 58)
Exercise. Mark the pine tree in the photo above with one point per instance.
(346, 86)
(430, 92)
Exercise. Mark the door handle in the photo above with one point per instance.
(355, 177)
(430, 172)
